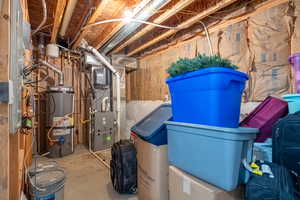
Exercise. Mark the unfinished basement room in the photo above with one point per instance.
(150, 99)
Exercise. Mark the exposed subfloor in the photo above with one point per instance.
(87, 178)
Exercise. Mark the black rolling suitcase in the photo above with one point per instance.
(123, 167)
(276, 186)
(286, 142)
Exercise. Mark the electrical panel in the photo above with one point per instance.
(16, 65)
(101, 77)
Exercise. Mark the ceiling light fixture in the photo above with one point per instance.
(128, 16)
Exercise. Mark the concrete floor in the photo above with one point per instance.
(87, 178)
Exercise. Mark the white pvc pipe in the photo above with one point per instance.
(102, 59)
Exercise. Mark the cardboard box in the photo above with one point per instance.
(186, 187)
(153, 169)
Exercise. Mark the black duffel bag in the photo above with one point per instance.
(123, 167)
(278, 186)
(286, 142)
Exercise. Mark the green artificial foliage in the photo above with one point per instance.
(201, 61)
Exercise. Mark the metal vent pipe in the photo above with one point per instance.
(129, 28)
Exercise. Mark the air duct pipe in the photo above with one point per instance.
(55, 69)
(84, 45)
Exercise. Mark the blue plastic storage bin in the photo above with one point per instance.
(212, 154)
(293, 102)
(152, 127)
(210, 96)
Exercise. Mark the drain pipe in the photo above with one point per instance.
(55, 69)
(84, 45)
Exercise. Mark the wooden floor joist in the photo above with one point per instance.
(187, 23)
(163, 17)
(92, 19)
(59, 12)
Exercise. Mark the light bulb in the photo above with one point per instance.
(128, 15)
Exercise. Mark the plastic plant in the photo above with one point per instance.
(201, 61)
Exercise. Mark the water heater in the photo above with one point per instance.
(60, 125)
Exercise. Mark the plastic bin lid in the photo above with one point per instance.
(47, 178)
(43, 166)
(153, 122)
(295, 55)
(291, 97)
(240, 75)
(240, 133)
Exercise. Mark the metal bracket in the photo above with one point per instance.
(4, 92)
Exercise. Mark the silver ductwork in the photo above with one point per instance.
(130, 28)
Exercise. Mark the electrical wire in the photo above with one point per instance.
(54, 105)
(83, 23)
(25, 165)
(44, 17)
(28, 70)
(208, 38)
(46, 26)
(131, 20)
(91, 86)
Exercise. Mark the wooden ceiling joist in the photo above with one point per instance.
(187, 23)
(260, 8)
(59, 12)
(99, 42)
(163, 17)
(92, 20)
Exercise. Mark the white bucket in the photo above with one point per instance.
(48, 184)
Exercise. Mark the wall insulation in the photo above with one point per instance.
(260, 45)
(296, 33)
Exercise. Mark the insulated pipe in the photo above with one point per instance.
(44, 18)
(102, 59)
(55, 69)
